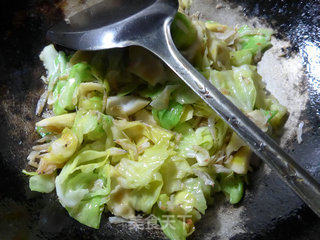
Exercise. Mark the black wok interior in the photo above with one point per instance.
(274, 213)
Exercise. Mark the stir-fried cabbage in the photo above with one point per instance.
(127, 135)
(83, 186)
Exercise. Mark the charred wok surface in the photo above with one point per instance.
(270, 209)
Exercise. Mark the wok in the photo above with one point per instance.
(269, 209)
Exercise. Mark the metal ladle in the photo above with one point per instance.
(146, 23)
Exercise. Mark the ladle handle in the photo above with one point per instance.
(298, 179)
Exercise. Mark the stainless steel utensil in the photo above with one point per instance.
(146, 23)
